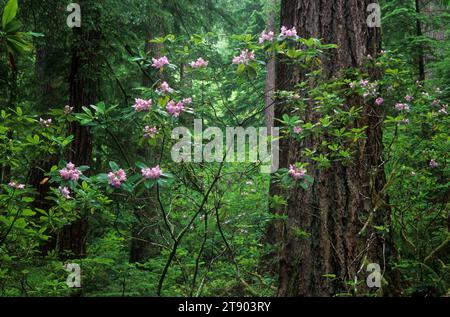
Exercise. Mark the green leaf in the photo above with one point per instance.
(28, 213)
(149, 184)
(10, 12)
(331, 276)
(141, 165)
(114, 166)
(83, 168)
(304, 185)
(13, 27)
(102, 177)
(241, 69)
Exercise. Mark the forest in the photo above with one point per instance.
(224, 148)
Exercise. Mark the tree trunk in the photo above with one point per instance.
(419, 32)
(143, 230)
(337, 206)
(269, 112)
(84, 86)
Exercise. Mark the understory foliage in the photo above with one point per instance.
(200, 227)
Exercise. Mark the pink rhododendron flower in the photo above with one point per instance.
(244, 58)
(435, 102)
(379, 101)
(364, 82)
(266, 36)
(152, 173)
(175, 108)
(165, 88)
(285, 32)
(199, 63)
(70, 172)
(45, 123)
(115, 179)
(187, 101)
(65, 192)
(401, 106)
(16, 185)
(160, 62)
(150, 132)
(298, 130)
(296, 173)
(443, 110)
(142, 105)
(409, 98)
(433, 163)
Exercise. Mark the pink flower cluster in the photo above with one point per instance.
(298, 130)
(159, 63)
(244, 58)
(443, 110)
(409, 98)
(16, 185)
(65, 192)
(296, 173)
(379, 101)
(199, 63)
(364, 82)
(433, 163)
(165, 88)
(116, 179)
(266, 36)
(150, 132)
(45, 123)
(176, 108)
(70, 172)
(402, 107)
(142, 105)
(152, 173)
(285, 32)
(187, 101)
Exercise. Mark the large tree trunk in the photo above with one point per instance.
(84, 86)
(337, 206)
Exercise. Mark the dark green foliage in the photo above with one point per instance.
(200, 229)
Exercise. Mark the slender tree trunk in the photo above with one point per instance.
(269, 111)
(342, 199)
(84, 87)
(419, 32)
(143, 230)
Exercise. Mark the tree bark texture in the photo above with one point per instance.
(84, 85)
(343, 198)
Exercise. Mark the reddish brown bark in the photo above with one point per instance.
(83, 81)
(337, 206)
